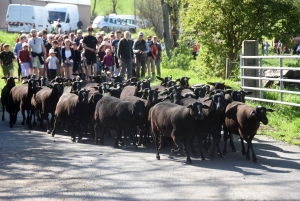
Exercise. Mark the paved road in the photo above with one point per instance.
(36, 166)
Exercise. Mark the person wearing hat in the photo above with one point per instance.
(140, 49)
(24, 59)
(6, 61)
(89, 44)
(52, 61)
(102, 34)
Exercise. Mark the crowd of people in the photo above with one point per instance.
(63, 55)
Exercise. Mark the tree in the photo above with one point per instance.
(166, 23)
(222, 25)
(151, 11)
(114, 6)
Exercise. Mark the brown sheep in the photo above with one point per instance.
(244, 120)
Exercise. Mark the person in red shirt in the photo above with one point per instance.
(108, 61)
(24, 59)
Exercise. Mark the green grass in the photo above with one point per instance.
(104, 7)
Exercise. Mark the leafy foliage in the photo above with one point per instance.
(222, 25)
(181, 58)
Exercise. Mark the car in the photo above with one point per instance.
(108, 24)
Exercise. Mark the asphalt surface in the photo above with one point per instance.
(36, 166)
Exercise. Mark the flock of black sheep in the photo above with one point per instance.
(172, 110)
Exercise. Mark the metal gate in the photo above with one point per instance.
(260, 79)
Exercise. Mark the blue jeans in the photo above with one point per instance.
(99, 66)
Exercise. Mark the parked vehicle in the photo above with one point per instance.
(108, 24)
(131, 19)
(21, 17)
(67, 13)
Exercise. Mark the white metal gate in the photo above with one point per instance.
(260, 69)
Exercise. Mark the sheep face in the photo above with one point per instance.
(261, 114)
(153, 95)
(200, 92)
(58, 88)
(76, 86)
(184, 82)
(83, 96)
(196, 110)
(10, 81)
(219, 102)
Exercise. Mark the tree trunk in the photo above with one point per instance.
(94, 7)
(114, 6)
(166, 23)
(175, 22)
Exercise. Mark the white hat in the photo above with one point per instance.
(51, 51)
(102, 32)
(24, 44)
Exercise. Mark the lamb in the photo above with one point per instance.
(45, 101)
(175, 121)
(10, 83)
(116, 114)
(20, 99)
(244, 120)
(72, 109)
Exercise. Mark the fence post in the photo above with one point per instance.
(228, 68)
(281, 83)
(250, 48)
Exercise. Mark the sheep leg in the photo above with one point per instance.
(11, 117)
(191, 141)
(71, 128)
(48, 123)
(185, 142)
(23, 115)
(2, 112)
(156, 133)
(251, 147)
(200, 140)
(43, 116)
(34, 121)
(134, 134)
(231, 143)
(225, 137)
(216, 141)
(118, 136)
(243, 147)
(54, 126)
(95, 134)
(29, 117)
(177, 151)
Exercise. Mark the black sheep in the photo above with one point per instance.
(118, 115)
(10, 83)
(19, 99)
(175, 121)
(45, 101)
(72, 109)
(244, 120)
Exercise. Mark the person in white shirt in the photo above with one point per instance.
(52, 61)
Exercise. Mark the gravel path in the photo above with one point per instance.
(36, 166)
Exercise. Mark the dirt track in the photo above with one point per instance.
(36, 166)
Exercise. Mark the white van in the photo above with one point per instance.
(21, 17)
(67, 13)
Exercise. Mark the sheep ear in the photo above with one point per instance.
(269, 110)
(211, 83)
(25, 82)
(229, 87)
(252, 113)
(248, 92)
(209, 98)
(188, 78)
(177, 80)
(159, 78)
(205, 106)
(190, 106)
(166, 98)
(3, 78)
(228, 91)
(50, 86)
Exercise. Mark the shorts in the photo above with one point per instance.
(67, 64)
(90, 58)
(37, 63)
(7, 68)
(110, 68)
